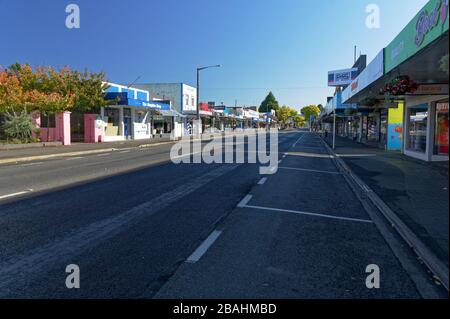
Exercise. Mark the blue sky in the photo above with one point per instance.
(286, 46)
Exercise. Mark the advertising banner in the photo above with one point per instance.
(428, 25)
(370, 74)
(342, 77)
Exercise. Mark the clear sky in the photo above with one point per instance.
(286, 46)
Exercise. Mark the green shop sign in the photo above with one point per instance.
(428, 25)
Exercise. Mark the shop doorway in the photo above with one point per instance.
(77, 127)
(127, 123)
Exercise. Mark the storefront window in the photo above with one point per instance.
(418, 123)
(441, 132)
(112, 120)
(384, 127)
(373, 131)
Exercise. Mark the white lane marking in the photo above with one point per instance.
(74, 158)
(122, 152)
(299, 139)
(245, 201)
(203, 248)
(31, 164)
(309, 214)
(313, 148)
(262, 181)
(19, 269)
(356, 155)
(100, 155)
(186, 155)
(15, 194)
(309, 170)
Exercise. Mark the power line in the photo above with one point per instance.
(271, 88)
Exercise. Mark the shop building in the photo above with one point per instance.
(379, 122)
(414, 86)
(132, 115)
(182, 97)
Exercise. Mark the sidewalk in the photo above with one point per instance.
(416, 191)
(6, 155)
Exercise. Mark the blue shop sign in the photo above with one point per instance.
(123, 99)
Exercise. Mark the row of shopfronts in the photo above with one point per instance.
(169, 110)
(400, 100)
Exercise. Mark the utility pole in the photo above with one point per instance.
(334, 127)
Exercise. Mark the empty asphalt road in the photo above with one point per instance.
(139, 226)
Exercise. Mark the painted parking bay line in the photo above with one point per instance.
(15, 194)
(308, 214)
(16, 271)
(299, 139)
(245, 201)
(262, 181)
(203, 248)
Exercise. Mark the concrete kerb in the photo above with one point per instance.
(435, 265)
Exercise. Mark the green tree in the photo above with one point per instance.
(309, 111)
(89, 90)
(285, 114)
(270, 103)
(299, 121)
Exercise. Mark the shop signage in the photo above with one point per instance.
(370, 74)
(251, 114)
(153, 105)
(342, 77)
(432, 89)
(428, 25)
(442, 107)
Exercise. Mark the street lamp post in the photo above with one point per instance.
(198, 86)
(334, 128)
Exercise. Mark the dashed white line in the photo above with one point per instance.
(299, 139)
(245, 201)
(309, 170)
(262, 181)
(123, 152)
(31, 164)
(100, 155)
(203, 248)
(15, 194)
(309, 214)
(74, 158)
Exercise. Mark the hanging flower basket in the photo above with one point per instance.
(400, 86)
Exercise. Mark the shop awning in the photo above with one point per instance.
(170, 113)
(121, 99)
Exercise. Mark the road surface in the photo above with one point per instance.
(139, 226)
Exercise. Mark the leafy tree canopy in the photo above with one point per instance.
(309, 111)
(285, 113)
(270, 103)
(49, 91)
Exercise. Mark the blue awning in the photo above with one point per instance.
(123, 100)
